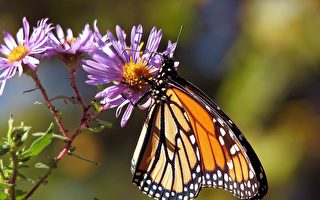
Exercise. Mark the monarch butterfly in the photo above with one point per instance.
(187, 142)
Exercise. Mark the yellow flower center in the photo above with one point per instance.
(136, 74)
(18, 53)
(70, 40)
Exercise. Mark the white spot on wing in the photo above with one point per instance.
(193, 139)
(186, 116)
(219, 173)
(221, 140)
(208, 108)
(197, 152)
(222, 131)
(220, 121)
(198, 168)
(226, 177)
(233, 150)
(208, 176)
(241, 186)
(196, 186)
(214, 177)
(230, 164)
(251, 175)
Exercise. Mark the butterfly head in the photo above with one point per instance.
(160, 82)
(167, 68)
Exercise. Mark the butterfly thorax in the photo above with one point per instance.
(160, 82)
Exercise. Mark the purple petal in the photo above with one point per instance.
(20, 70)
(60, 33)
(111, 92)
(4, 50)
(136, 35)
(26, 28)
(146, 104)
(153, 40)
(122, 37)
(3, 83)
(126, 115)
(119, 109)
(31, 62)
(69, 34)
(9, 72)
(111, 103)
(8, 39)
(20, 36)
(121, 50)
(170, 49)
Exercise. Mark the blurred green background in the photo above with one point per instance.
(259, 60)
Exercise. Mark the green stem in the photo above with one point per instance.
(2, 176)
(14, 174)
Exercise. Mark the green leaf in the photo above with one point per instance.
(5, 186)
(93, 130)
(95, 105)
(106, 124)
(23, 177)
(56, 136)
(98, 129)
(20, 134)
(4, 149)
(40, 165)
(38, 145)
(4, 195)
(7, 172)
(10, 125)
(100, 88)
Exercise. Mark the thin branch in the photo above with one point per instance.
(82, 158)
(41, 180)
(48, 102)
(74, 86)
(85, 121)
(65, 98)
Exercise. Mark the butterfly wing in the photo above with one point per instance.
(228, 160)
(187, 143)
(165, 163)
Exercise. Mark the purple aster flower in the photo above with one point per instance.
(116, 62)
(69, 46)
(99, 39)
(23, 53)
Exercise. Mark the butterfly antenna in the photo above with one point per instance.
(180, 33)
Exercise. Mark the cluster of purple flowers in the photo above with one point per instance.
(113, 62)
